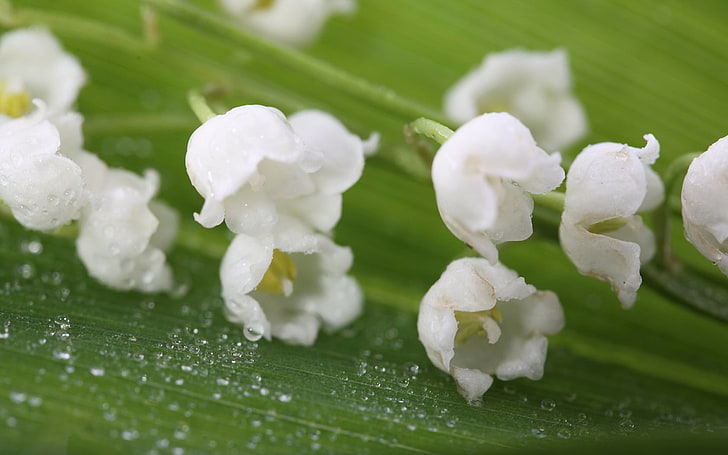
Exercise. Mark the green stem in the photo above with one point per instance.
(431, 129)
(199, 106)
(688, 287)
(673, 177)
(293, 60)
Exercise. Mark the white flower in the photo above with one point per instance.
(43, 189)
(288, 284)
(704, 209)
(481, 319)
(291, 22)
(122, 233)
(606, 186)
(251, 165)
(482, 176)
(533, 86)
(33, 65)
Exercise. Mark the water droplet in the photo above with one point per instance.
(548, 404)
(627, 425)
(61, 354)
(222, 381)
(509, 389)
(26, 271)
(253, 333)
(32, 247)
(563, 433)
(17, 397)
(284, 398)
(63, 322)
(538, 432)
(97, 371)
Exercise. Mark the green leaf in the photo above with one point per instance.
(89, 369)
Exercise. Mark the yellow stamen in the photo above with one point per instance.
(262, 4)
(14, 104)
(609, 225)
(473, 323)
(279, 277)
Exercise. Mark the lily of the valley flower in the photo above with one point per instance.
(43, 189)
(607, 185)
(251, 165)
(483, 175)
(289, 284)
(481, 320)
(33, 65)
(122, 232)
(533, 86)
(291, 22)
(704, 209)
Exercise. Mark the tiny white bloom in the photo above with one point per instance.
(33, 65)
(42, 188)
(606, 186)
(704, 209)
(481, 319)
(288, 284)
(483, 175)
(290, 22)
(533, 86)
(251, 165)
(122, 233)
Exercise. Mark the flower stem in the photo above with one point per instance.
(663, 213)
(431, 129)
(199, 106)
(293, 60)
(689, 288)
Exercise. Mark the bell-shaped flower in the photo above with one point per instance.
(606, 186)
(290, 22)
(483, 175)
(704, 209)
(33, 65)
(533, 86)
(122, 232)
(43, 189)
(251, 165)
(481, 320)
(288, 284)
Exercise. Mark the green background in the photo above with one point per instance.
(88, 369)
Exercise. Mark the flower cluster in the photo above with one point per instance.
(47, 179)
(277, 184)
(480, 318)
